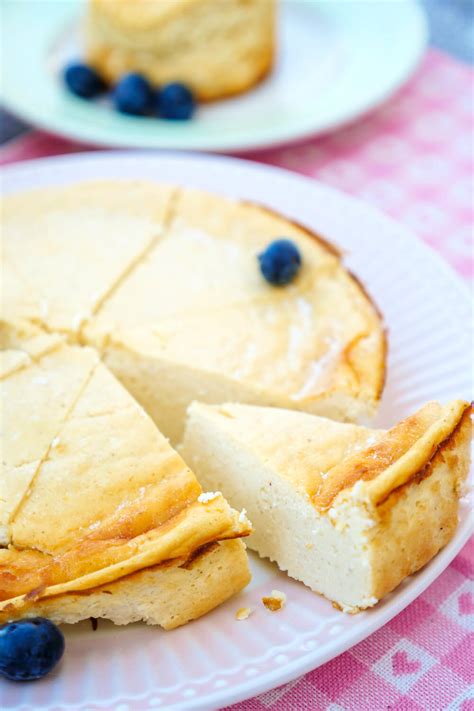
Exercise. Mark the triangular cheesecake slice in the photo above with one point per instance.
(100, 516)
(348, 510)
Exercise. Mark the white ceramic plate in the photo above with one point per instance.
(216, 661)
(337, 59)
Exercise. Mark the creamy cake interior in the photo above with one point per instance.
(348, 510)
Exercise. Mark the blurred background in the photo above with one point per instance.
(451, 28)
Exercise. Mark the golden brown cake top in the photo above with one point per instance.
(327, 460)
(396, 455)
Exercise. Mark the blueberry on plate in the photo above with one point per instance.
(133, 95)
(29, 648)
(280, 261)
(83, 81)
(175, 101)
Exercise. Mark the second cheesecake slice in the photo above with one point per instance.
(99, 516)
(349, 511)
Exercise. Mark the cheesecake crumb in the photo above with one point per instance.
(55, 442)
(243, 613)
(309, 546)
(204, 498)
(275, 601)
(243, 516)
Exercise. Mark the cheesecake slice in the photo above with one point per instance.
(99, 516)
(196, 320)
(349, 511)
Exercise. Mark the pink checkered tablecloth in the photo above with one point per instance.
(414, 159)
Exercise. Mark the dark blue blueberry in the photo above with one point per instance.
(280, 261)
(133, 95)
(83, 81)
(29, 649)
(175, 101)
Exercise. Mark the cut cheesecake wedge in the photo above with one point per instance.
(349, 511)
(98, 514)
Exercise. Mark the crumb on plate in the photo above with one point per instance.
(275, 601)
(243, 612)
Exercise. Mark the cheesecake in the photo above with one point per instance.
(164, 283)
(217, 47)
(99, 515)
(349, 511)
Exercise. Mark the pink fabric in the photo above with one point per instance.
(413, 158)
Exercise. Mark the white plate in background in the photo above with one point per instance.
(336, 60)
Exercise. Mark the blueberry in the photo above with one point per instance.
(280, 261)
(83, 81)
(29, 648)
(175, 101)
(133, 95)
